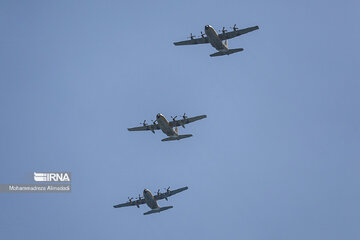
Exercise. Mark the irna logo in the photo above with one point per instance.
(52, 177)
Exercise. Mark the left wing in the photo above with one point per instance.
(186, 120)
(228, 35)
(193, 41)
(169, 193)
(151, 127)
(131, 203)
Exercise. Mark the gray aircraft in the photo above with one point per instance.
(168, 127)
(216, 40)
(151, 200)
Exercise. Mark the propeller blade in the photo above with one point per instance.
(167, 192)
(153, 126)
(191, 36)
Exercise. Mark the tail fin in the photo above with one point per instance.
(157, 210)
(172, 138)
(228, 52)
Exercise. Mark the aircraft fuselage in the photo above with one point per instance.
(165, 126)
(214, 39)
(150, 200)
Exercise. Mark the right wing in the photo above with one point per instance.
(132, 203)
(151, 127)
(229, 35)
(193, 41)
(187, 120)
(169, 193)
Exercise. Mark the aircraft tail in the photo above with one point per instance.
(176, 130)
(176, 137)
(158, 210)
(228, 52)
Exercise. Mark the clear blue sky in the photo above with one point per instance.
(277, 157)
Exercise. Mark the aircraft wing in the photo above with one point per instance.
(182, 122)
(193, 41)
(228, 35)
(169, 193)
(151, 127)
(132, 203)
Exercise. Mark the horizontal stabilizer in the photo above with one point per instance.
(157, 210)
(176, 137)
(228, 52)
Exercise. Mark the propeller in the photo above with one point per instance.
(234, 27)
(130, 199)
(183, 121)
(144, 123)
(223, 30)
(158, 192)
(191, 36)
(167, 192)
(152, 128)
(202, 35)
(138, 202)
(174, 118)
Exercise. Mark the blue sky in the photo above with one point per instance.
(277, 157)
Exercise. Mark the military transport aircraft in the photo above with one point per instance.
(151, 200)
(216, 39)
(167, 127)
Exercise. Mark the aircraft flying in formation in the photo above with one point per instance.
(168, 127)
(216, 40)
(151, 200)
